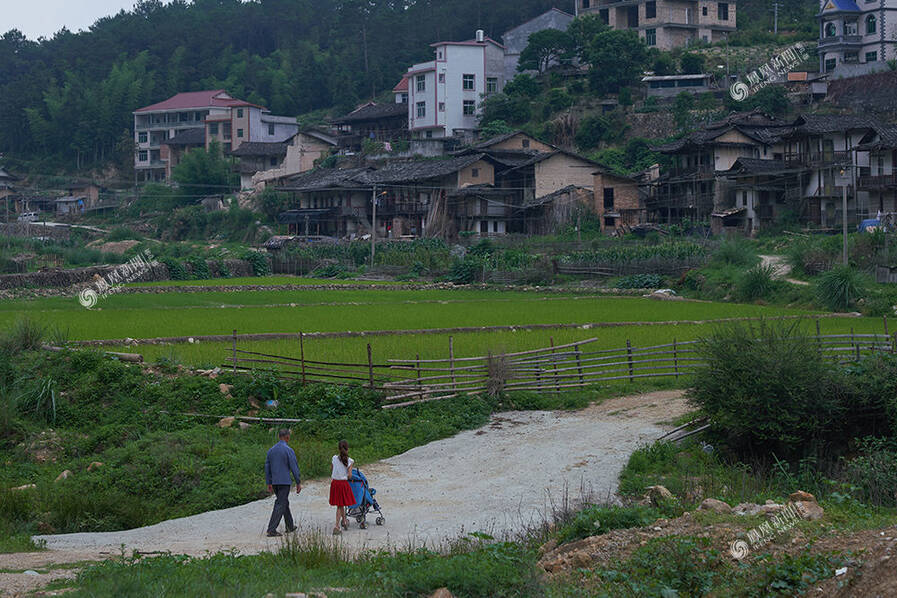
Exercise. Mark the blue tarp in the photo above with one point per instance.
(869, 225)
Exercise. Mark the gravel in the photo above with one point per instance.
(496, 479)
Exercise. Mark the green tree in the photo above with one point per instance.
(616, 58)
(504, 108)
(583, 30)
(545, 48)
(692, 64)
(661, 63)
(523, 86)
(494, 129)
(204, 172)
(682, 107)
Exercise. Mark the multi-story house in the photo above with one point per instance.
(222, 118)
(666, 24)
(444, 95)
(879, 178)
(854, 36)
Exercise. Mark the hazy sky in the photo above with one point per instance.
(45, 17)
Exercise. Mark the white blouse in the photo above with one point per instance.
(340, 471)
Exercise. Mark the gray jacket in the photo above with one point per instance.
(280, 462)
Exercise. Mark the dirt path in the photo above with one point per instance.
(495, 479)
(781, 269)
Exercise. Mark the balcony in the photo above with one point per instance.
(389, 208)
(837, 40)
(819, 158)
(884, 181)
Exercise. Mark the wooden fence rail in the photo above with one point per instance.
(550, 369)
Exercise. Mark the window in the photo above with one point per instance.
(270, 129)
(651, 37)
(468, 82)
(474, 173)
(421, 83)
(141, 156)
(722, 11)
(703, 11)
(610, 221)
(484, 224)
(871, 56)
(831, 30)
(421, 109)
(184, 117)
(650, 10)
(442, 106)
(850, 27)
(239, 113)
(442, 77)
(439, 54)
(524, 143)
(470, 107)
(404, 98)
(586, 3)
(608, 198)
(851, 57)
(273, 162)
(213, 129)
(429, 135)
(491, 85)
(870, 24)
(495, 226)
(830, 64)
(227, 129)
(141, 137)
(198, 116)
(240, 133)
(604, 16)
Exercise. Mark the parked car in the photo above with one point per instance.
(29, 217)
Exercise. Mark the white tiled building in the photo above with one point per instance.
(444, 95)
(856, 37)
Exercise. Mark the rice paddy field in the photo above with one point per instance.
(388, 308)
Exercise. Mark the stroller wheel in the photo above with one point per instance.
(380, 520)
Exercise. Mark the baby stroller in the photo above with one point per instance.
(364, 500)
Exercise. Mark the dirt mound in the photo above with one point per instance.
(117, 247)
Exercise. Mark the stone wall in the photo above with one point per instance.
(31, 229)
(651, 125)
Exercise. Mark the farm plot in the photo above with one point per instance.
(209, 313)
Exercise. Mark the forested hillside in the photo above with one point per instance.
(66, 102)
(71, 97)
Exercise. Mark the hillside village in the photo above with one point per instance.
(573, 298)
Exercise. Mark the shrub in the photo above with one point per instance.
(200, 268)
(592, 521)
(874, 471)
(768, 390)
(261, 266)
(176, 270)
(24, 335)
(735, 252)
(756, 283)
(840, 287)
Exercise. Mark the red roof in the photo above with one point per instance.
(197, 99)
(402, 85)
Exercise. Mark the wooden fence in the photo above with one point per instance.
(547, 370)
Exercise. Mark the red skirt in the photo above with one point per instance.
(341, 494)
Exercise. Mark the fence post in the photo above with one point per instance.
(302, 355)
(420, 382)
(629, 358)
(234, 348)
(675, 359)
(855, 344)
(885, 318)
(452, 360)
(370, 367)
(557, 383)
(818, 340)
(578, 363)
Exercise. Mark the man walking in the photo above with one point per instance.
(279, 464)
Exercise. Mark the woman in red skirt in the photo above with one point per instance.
(341, 495)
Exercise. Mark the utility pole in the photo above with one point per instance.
(373, 223)
(775, 12)
(844, 219)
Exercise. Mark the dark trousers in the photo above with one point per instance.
(281, 508)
